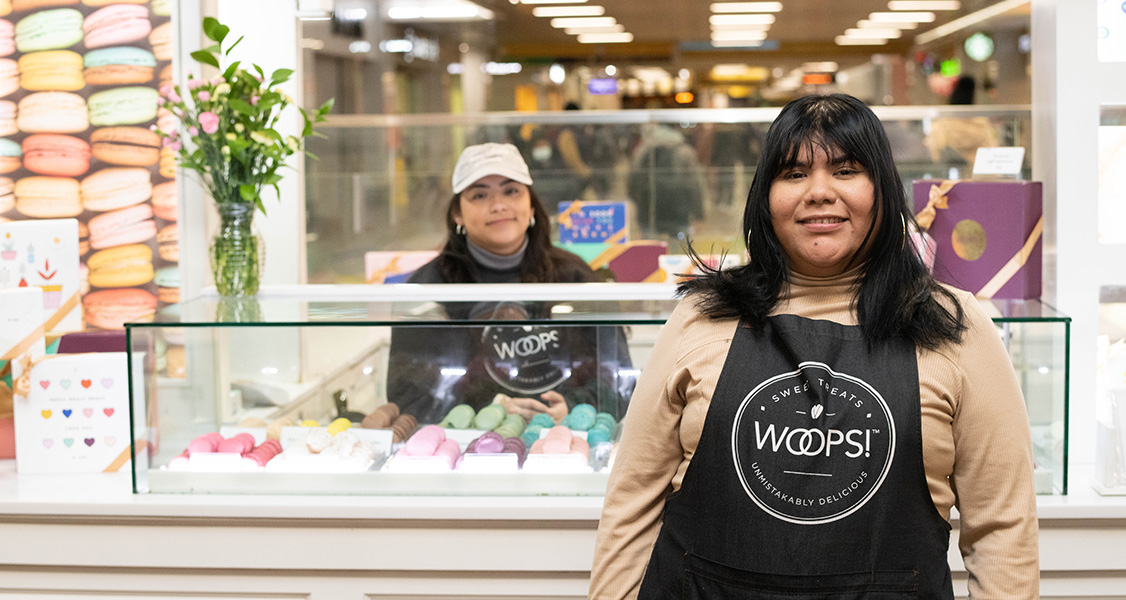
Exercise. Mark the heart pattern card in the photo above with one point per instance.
(44, 254)
(76, 417)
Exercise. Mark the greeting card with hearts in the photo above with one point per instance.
(76, 415)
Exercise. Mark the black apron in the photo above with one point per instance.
(808, 480)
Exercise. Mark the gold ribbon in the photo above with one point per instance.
(1015, 263)
(125, 455)
(380, 275)
(936, 199)
(565, 216)
(21, 386)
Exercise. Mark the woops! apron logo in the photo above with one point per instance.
(813, 445)
(524, 359)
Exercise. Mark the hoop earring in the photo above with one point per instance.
(460, 229)
(532, 221)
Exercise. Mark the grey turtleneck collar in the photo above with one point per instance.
(496, 262)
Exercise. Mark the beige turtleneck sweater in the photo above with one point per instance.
(977, 451)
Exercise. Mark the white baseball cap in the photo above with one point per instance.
(481, 160)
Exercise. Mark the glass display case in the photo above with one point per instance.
(395, 394)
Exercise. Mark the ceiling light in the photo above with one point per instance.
(605, 38)
(721, 26)
(851, 41)
(868, 34)
(746, 7)
(727, 36)
(557, 74)
(820, 67)
(611, 70)
(900, 17)
(552, 1)
(741, 19)
(445, 11)
(568, 11)
(683, 74)
(736, 43)
(924, 5)
(869, 24)
(969, 20)
(583, 22)
(581, 30)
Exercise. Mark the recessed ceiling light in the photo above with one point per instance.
(584, 22)
(869, 24)
(750, 34)
(552, 1)
(605, 38)
(924, 5)
(746, 7)
(820, 67)
(851, 41)
(872, 33)
(454, 10)
(741, 19)
(900, 17)
(721, 26)
(581, 30)
(568, 11)
(736, 43)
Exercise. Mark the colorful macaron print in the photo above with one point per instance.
(56, 155)
(51, 70)
(49, 30)
(133, 225)
(116, 24)
(119, 65)
(114, 188)
(126, 146)
(123, 106)
(53, 112)
(48, 197)
(11, 156)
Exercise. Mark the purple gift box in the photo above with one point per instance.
(988, 234)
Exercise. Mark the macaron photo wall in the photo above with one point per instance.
(79, 83)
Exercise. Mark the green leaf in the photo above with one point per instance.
(308, 131)
(228, 52)
(273, 178)
(230, 70)
(327, 106)
(213, 48)
(215, 30)
(206, 58)
(311, 155)
(247, 192)
(241, 106)
(261, 73)
(280, 76)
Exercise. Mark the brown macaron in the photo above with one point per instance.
(129, 146)
(403, 427)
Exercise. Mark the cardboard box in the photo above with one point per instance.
(988, 235)
(593, 222)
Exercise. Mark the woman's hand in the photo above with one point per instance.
(555, 407)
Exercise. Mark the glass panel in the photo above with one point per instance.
(1112, 175)
(383, 182)
(1112, 31)
(1110, 405)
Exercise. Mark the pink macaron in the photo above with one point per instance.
(164, 202)
(7, 38)
(8, 125)
(56, 155)
(113, 188)
(133, 225)
(9, 76)
(111, 309)
(115, 25)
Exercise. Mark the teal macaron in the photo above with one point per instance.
(167, 277)
(123, 106)
(9, 148)
(49, 30)
(119, 55)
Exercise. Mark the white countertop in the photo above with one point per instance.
(105, 495)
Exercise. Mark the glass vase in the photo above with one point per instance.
(237, 253)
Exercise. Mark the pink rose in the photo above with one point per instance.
(173, 144)
(196, 83)
(204, 96)
(165, 90)
(209, 121)
(254, 100)
(192, 129)
(174, 97)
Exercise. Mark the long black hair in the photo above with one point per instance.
(543, 262)
(895, 295)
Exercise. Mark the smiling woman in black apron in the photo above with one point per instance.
(806, 422)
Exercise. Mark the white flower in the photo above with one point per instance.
(260, 137)
(222, 89)
(293, 143)
(225, 150)
(231, 137)
(239, 127)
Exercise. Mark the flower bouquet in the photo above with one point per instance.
(229, 138)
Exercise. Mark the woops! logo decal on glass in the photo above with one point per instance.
(812, 446)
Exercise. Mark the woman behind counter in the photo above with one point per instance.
(499, 232)
(857, 403)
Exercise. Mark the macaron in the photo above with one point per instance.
(168, 162)
(164, 202)
(10, 155)
(165, 77)
(128, 146)
(8, 125)
(49, 30)
(83, 238)
(123, 106)
(53, 112)
(55, 154)
(108, 2)
(5, 8)
(111, 309)
(161, 40)
(161, 8)
(48, 197)
(7, 37)
(22, 5)
(9, 76)
(122, 266)
(133, 225)
(52, 70)
(168, 243)
(7, 194)
(116, 24)
(116, 187)
(168, 281)
(119, 65)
